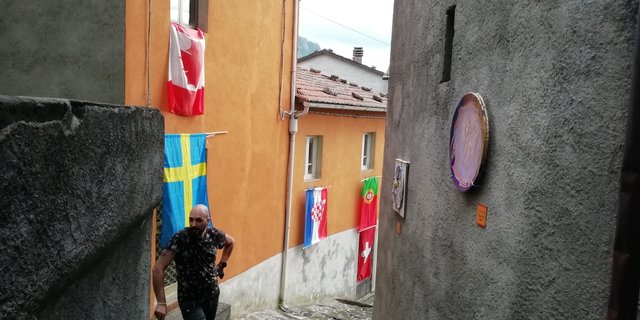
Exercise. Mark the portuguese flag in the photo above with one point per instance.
(369, 204)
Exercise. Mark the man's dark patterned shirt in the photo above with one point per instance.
(195, 262)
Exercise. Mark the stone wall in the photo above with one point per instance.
(78, 184)
(555, 77)
(69, 49)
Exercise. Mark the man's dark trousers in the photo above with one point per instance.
(193, 310)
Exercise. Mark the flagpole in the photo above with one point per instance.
(312, 188)
(215, 133)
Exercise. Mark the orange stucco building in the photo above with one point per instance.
(341, 171)
(341, 120)
(245, 86)
(249, 71)
(117, 52)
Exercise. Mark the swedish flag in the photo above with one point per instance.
(185, 181)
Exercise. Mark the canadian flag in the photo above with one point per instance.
(186, 71)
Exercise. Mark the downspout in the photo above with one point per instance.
(293, 129)
(305, 111)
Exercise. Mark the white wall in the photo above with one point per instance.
(322, 272)
(330, 66)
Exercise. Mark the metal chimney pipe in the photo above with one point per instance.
(358, 52)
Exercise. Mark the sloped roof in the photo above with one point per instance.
(334, 92)
(339, 57)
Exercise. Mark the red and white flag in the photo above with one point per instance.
(315, 223)
(369, 203)
(186, 71)
(365, 253)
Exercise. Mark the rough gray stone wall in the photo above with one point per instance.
(72, 49)
(555, 76)
(78, 184)
(114, 287)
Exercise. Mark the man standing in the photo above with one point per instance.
(194, 249)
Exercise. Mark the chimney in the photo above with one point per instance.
(358, 52)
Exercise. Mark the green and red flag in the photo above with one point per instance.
(369, 204)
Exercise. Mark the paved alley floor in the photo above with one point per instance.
(335, 310)
(329, 311)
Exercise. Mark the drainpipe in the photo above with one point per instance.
(293, 129)
(304, 112)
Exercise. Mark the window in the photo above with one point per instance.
(192, 13)
(368, 150)
(182, 11)
(448, 44)
(313, 158)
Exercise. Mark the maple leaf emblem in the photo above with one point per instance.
(192, 60)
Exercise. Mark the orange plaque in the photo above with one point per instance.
(481, 215)
(398, 227)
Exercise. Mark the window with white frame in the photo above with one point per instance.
(313, 157)
(368, 150)
(192, 13)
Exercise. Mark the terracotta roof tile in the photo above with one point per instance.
(319, 88)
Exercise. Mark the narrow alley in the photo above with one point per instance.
(337, 309)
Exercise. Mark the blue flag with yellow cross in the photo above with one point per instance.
(185, 181)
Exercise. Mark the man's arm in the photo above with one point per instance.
(158, 282)
(227, 249)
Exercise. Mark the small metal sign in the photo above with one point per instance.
(481, 215)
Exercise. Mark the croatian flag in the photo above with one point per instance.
(315, 224)
(186, 71)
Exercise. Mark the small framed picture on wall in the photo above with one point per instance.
(399, 190)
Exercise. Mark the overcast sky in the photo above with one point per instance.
(343, 24)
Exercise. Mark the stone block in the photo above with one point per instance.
(77, 180)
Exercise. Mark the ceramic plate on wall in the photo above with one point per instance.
(468, 141)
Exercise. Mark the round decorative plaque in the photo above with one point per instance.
(469, 141)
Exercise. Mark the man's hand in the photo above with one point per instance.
(161, 311)
(220, 268)
(158, 282)
(226, 253)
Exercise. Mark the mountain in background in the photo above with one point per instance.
(306, 47)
